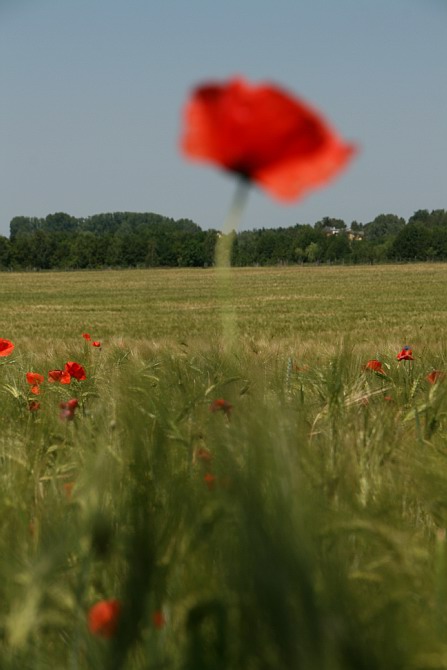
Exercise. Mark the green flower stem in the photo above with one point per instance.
(222, 264)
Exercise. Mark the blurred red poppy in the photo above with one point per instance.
(35, 380)
(103, 618)
(34, 405)
(6, 347)
(158, 619)
(300, 368)
(405, 355)
(204, 455)
(375, 366)
(96, 344)
(68, 489)
(86, 336)
(264, 135)
(75, 370)
(68, 409)
(210, 480)
(221, 405)
(59, 376)
(435, 376)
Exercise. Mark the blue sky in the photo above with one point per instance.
(92, 92)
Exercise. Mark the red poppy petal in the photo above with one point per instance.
(435, 376)
(264, 134)
(34, 378)
(6, 347)
(289, 180)
(75, 370)
(158, 619)
(210, 480)
(103, 618)
(375, 366)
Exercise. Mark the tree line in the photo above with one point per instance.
(129, 239)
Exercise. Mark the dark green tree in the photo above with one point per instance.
(338, 248)
(5, 253)
(384, 225)
(412, 243)
(61, 222)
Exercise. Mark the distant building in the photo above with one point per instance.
(355, 234)
(331, 231)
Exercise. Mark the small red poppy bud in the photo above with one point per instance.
(158, 619)
(204, 455)
(210, 481)
(68, 489)
(103, 618)
(221, 405)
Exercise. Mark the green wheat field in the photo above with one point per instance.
(267, 503)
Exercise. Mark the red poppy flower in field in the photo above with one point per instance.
(405, 355)
(375, 366)
(35, 380)
(6, 347)
(32, 528)
(68, 409)
(86, 336)
(60, 376)
(300, 368)
(210, 481)
(204, 455)
(158, 619)
(34, 405)
(68, 489)
(103, 618)
(75, 370)
(435, 376)
(221, 405)
(263, 134)
(96, 344)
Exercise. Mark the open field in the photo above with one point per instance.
(375, 306)
(272, 506)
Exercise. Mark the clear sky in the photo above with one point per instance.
(92, 92)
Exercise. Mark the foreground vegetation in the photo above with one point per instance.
(277, 506)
